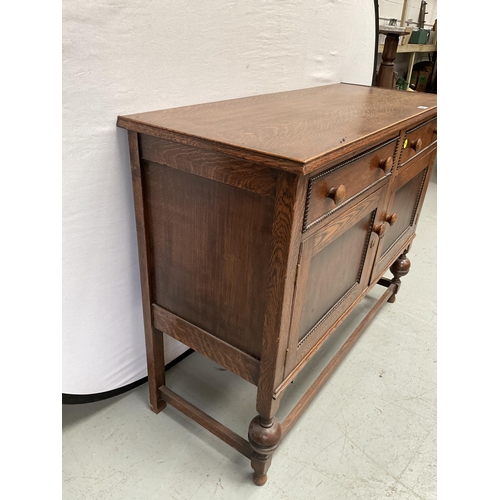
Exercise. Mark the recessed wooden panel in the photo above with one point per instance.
(210, 245)
(405, 205)
(333, 272)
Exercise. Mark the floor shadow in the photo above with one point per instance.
(73, 413)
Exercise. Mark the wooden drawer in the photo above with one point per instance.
(417, 140)
(341, 183)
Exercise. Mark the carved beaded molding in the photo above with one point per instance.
(424, 176)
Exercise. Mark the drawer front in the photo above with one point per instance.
(338, 185)
(417, 140)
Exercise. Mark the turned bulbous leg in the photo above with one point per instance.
(400, 268)
(264, 436)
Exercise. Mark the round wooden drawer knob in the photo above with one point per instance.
(386, 165)
(380, 229)
(337, 194)
(391, 219)
(416, 145)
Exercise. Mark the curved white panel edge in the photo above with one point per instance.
(138, 56)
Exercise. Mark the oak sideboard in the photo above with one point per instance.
(262, 222)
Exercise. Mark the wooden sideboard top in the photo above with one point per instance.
(298, 130)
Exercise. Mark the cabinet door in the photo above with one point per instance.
(401, 217)
(334, 269)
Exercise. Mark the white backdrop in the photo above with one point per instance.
(122, 57)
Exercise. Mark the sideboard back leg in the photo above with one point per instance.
(264, 436)
(154, 337)
(400, 268)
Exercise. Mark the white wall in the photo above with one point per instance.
(123, 57)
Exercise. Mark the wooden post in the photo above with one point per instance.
(385, 77)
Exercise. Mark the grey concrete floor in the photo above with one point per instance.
(369, 434)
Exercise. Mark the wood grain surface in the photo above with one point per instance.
(153, 337)
(203, 342)
(425, 133)
(263, 222)
(210, 164)
(209, 423)
(355, 175)
(287, 221)
(208, 268)
(301, 126)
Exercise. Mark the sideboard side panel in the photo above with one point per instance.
(210, 245)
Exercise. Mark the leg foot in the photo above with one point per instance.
(157, 406)
(259, 479)
(156, 366)
(400, 268)
(264, 436)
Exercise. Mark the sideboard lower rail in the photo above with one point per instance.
(299, 408)
(242, 445)
(203, 342)
(206, 421)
